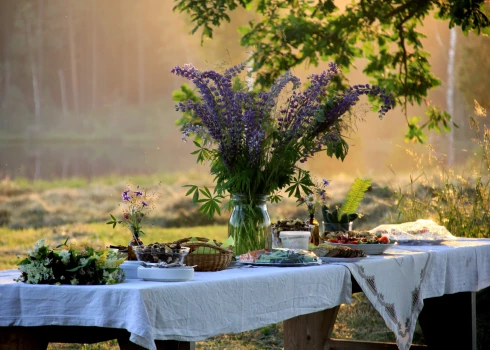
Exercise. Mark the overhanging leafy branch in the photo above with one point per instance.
(293, 32)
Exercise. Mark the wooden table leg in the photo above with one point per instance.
(21, 338)
(38, 338)
(175, 345)
(309, 331)
(449, 321)
(125, 344)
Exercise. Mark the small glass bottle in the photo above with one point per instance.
(315, 232)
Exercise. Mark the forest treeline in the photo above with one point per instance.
(101, 67)
(89, 67)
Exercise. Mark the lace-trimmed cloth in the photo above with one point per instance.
(397, 283)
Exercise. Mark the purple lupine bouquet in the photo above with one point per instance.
(256, 140)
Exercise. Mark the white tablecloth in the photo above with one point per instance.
(240, 299)
(229, 301)
(396, 283)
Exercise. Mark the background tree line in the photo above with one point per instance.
(101, 67)
(386, 33)
(95, 66)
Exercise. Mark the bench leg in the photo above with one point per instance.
(449, 321)
(310, 331)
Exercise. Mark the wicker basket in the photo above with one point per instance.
(212, 258)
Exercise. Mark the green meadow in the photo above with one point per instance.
(78, 209)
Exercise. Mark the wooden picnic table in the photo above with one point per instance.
(141, 314)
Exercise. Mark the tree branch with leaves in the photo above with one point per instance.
(385, 32)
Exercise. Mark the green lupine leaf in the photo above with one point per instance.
(195, 197)
(207, 191)
(192, 189)
(275, 198)
(228, 205)
(204, 208)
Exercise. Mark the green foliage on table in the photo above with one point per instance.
(347, 212)
(286, 34)
(354, 196)
(335, 220)
(76, 263)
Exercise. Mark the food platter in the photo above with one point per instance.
(369, 249)
(328, 259)
(279, 257)
(416, 242)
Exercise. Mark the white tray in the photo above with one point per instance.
(328, 259)
(282, 264)
(369, 249)
(173, 274)
(130, 268)
(419, 241)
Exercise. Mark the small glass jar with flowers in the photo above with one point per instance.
(136, 208)
(313, 201)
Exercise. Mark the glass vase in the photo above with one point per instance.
(250, 224)
(136, 241)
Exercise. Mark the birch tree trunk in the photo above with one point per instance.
(35, 85)
(125, 69)
(6, 87)
(4, 62)
(7, 78)
(37, 165)
(94, 55)
(450, 91)
(40, 47)
(73, 61)
(64, 105)
(141, 62)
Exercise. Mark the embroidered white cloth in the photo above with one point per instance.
(229, 301)
(396, 283)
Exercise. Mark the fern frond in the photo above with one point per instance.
(354, 196)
